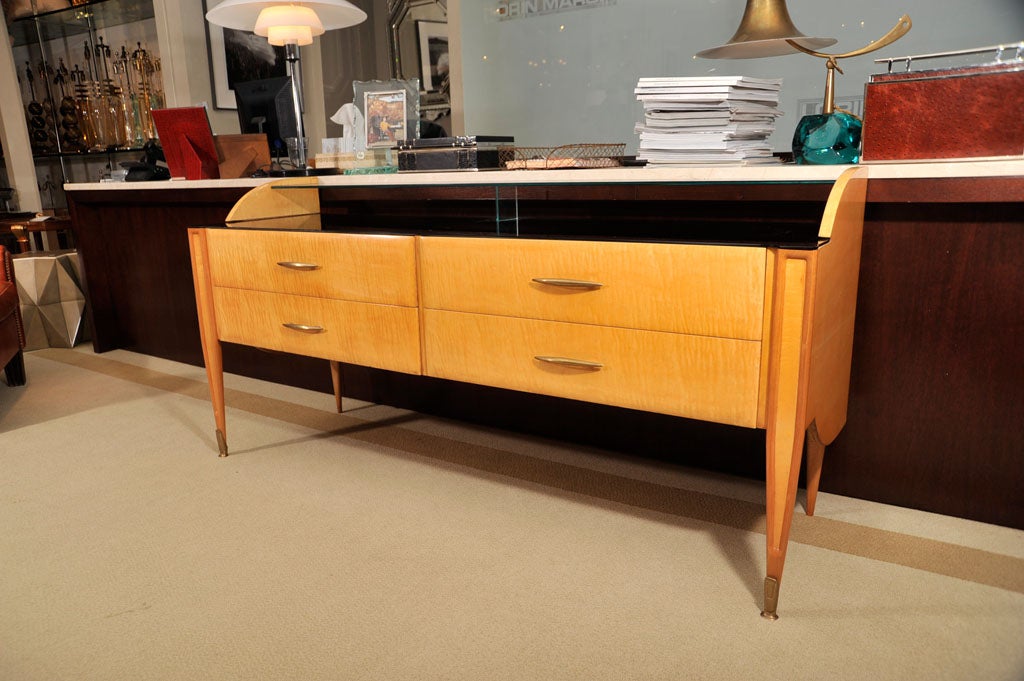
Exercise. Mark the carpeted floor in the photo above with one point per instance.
(383, 544)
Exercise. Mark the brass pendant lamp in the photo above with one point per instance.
(765, 31)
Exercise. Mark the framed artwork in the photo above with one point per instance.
(237, 57)
(385, 118)
(433, 40)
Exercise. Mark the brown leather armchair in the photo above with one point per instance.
(12, 330)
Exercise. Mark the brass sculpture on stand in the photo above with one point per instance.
(151, 94)
(766, 30)
(40, 116)
(107, 105)
(834, 136)
(133, 109)
(70, 127)
(112, 104)
(84, 109)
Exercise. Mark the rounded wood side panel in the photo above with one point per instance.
(270, 201)
(713, 379)
(703, 290)
(360, 267)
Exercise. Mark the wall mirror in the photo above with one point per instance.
(553, 72)
(418, 48)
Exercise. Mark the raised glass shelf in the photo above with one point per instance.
(750, 207)
(84, 154)
(88, 154)
(77, 20)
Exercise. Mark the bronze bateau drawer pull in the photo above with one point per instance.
(569, 362)
(304, 266)
(569, 283)
(304, 328)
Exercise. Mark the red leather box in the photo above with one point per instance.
(952, 113)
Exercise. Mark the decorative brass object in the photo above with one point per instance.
(831, 60)
(569, 283)
(569, 362)
(765, 31)
(222, 443)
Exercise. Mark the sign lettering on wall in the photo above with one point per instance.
(523, 9)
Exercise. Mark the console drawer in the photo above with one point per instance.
(363, 267)
(682, 288)
(381, 336)
(713, 379)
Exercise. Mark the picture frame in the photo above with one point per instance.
(399, 100)
(236, 57)
(433, 44)
(385, 118)
(187, 140)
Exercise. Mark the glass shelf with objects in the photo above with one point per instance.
(89, 75)
(77, 19)
(628, 206)
(95, 153)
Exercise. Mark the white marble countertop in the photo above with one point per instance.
(632, 175)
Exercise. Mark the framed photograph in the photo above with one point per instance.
(237, 57)
(385, 118)
(433, 39)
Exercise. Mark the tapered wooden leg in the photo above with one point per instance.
(215, 377)
(336, 382)
(783, 475)
(212, 355)
(815, 456)
(787, 411)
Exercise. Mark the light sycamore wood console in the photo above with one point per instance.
(755, 336)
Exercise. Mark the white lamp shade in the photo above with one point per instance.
(288, 25)
(243, 14)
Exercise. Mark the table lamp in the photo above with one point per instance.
(289, 24)
(831, 137)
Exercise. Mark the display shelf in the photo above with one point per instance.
(89, 154)
(89, 75)
(78, 20)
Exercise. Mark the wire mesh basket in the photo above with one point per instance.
(565, 156)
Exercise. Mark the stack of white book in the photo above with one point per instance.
(708, 120)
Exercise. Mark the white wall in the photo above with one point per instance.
(19, 170)
(569, 77)
(185, 56)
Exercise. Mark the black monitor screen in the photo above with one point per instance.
(267, 106)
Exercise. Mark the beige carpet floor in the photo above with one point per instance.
(383, 544)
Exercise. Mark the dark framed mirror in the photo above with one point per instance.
(418, 48)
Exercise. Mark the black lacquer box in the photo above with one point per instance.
(433, 154)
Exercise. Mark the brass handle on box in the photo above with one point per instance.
(569, 362)
(304, 328)
(303, 266)
(569, 283)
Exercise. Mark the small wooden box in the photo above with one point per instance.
(950, 113)
(242, 155)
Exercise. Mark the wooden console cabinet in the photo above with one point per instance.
(720, 329)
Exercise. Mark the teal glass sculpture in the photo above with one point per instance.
(827, 139)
